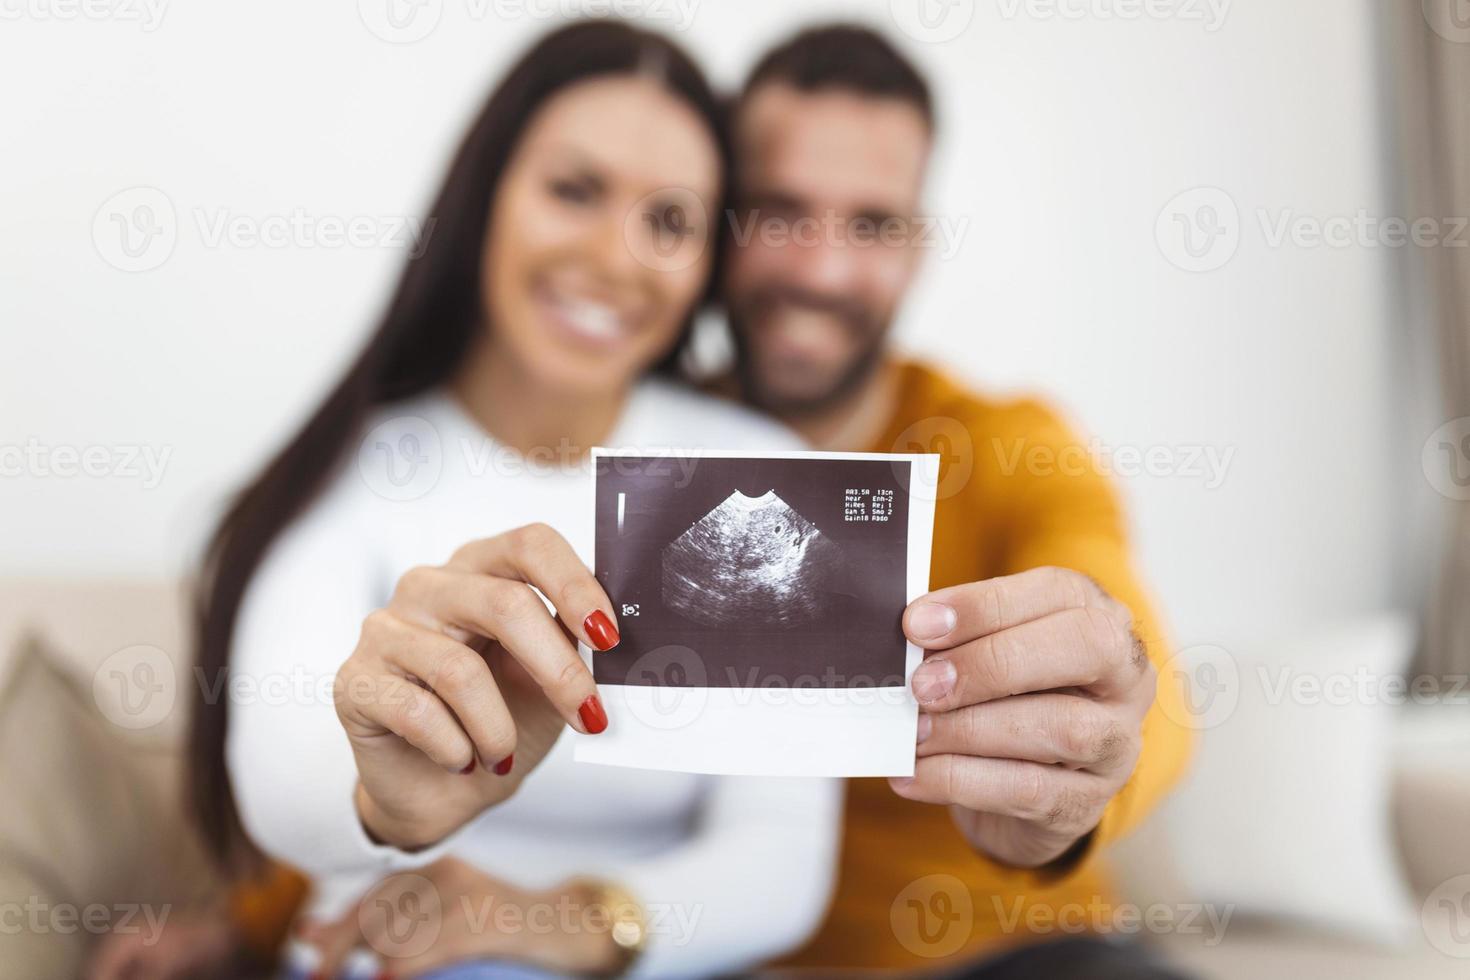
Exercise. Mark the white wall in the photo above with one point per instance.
(1063, 139)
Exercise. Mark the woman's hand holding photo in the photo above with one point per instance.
(460, 686)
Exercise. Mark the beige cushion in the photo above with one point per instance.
(99, 818)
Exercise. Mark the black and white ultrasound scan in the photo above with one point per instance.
(760, 597)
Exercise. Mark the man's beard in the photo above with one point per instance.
(861, 322)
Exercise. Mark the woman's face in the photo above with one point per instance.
(599, 240)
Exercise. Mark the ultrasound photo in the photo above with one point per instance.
(760, 599)
(775, 571)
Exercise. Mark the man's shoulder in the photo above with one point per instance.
(932, 400)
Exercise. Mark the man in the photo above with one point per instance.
(1039, 735)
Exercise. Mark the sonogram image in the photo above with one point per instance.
(774, 571)
(751, 559)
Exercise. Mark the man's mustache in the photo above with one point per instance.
(852, 312)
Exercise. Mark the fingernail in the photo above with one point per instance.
(503, 766)
(931, 620)
(926, 725)
(933, 680)
(600, 630)
(469, 768)
(594, 719)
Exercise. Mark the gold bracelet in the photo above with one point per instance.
(628, 923)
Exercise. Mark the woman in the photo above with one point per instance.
(571, 243)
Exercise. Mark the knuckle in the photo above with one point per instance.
(1064, 811)
(1072, 588)
(414, 583)
(532, 539)
(1029, 791)
(1104, 635)
(455, 673)
(571, 675)
(377, 626)
(509, 601)
(994, 664)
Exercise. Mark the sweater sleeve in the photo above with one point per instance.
(291, 766)
(752, 883)
(1065, 513)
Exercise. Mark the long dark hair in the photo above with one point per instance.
(419, 343)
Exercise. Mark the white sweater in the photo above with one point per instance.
(734, 870)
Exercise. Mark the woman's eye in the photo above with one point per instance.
(573, 191)
(670, 220)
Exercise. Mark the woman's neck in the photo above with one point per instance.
(530, 418)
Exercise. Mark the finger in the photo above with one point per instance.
(463, 681)
(539, 556)
(1084, 647)
(510, 612)
(386, 704)
(1052, 729)
(948, 617)
(1060, 799)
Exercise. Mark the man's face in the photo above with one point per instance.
(828, 186)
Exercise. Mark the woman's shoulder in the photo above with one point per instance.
(669, 413)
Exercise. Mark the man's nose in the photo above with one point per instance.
(823, 266)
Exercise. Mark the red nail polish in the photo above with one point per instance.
(600, 630)
(594, 719)
(503, 766)
(469, 768)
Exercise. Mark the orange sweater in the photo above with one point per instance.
(1016, 491)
